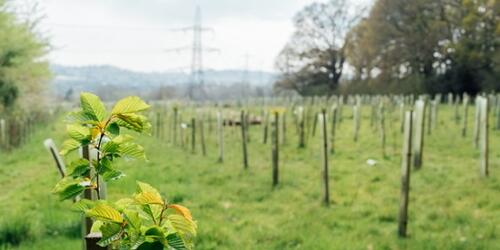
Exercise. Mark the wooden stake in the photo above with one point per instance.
(193, 135)
(244, 139)
(466, 111)
(275, 148)
(323, 122)
(405, 175)
(334, 128)
(61, 168)
(220, 130)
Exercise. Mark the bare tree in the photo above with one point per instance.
(313, 60)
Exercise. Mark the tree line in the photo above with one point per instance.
(396, 46)
(23, 68)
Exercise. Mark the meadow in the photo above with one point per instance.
(451, 205)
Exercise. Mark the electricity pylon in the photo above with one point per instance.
(196, 87)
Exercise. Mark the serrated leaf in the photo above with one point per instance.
(92, 106)
(71, 191)
(110, 232)
(138, 123)
(150, 198)
(112, 175)
(78, 132)
(83, 205)
(105, 213)
(144, 187)
(131, 150)
(80, 117)
(131, 104)
(124, 203)
(182, 211)
(79, 168)
(175, 242)
(69, 145)
(182, 225)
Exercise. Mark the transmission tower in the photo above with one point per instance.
(196, 87)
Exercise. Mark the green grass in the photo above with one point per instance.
(451, 206)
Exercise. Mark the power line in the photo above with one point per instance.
(108, 27)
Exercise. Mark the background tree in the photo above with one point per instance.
(426, 46)
(313, 60)
(23, 70)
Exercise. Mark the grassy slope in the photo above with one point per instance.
(451, 207)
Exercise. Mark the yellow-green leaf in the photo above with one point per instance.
(69, 145)
(105, 213)
(78, 132)
(182, 225)
(92, 106)
(150, 198)
(131, 104)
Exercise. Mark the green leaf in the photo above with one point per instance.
(92, 106)
(144, 187)
(131, 104)
(80, 117)
(71, 191)
(79, 133)
(69, 145)
(96, 226)
(79, 168)
(138, 123)
(110, 232)
(105, 213)
(133, 219)
(132, 150)
(145, 198)
(175, 242)
(113, 128)
(182, 225)
(112, 175)
(151, 246)
(83, 205)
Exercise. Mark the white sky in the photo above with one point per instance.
(135, 34)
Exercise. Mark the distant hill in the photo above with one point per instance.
(93, 78)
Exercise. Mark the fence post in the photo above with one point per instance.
(275, 148)
(220, 130)
(466, 111)
(49, 144)
(334, 127)
(201, 125)
(326, 198)
(244, 139)
(405, 174)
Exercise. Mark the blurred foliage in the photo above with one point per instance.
(23, 70)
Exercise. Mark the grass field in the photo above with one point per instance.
(451, 206)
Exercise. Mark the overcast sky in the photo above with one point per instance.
(136, 34)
